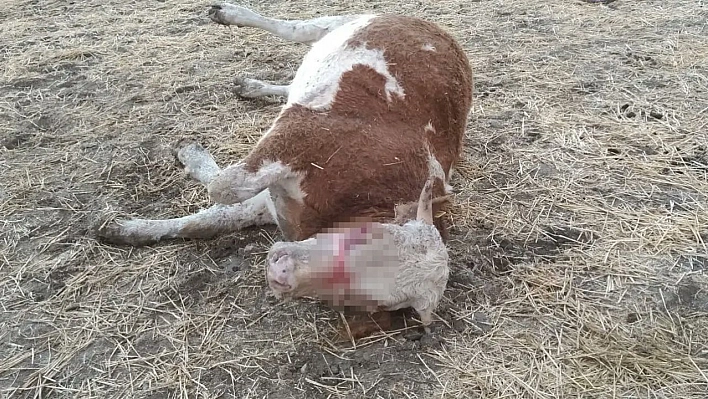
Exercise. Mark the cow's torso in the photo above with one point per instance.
(370, 104)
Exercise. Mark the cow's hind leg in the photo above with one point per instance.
(208, 223)
(301, 31)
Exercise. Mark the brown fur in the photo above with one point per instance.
(373, 154)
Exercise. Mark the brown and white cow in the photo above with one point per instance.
(376, 102)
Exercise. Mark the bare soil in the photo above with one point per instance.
(580, 264)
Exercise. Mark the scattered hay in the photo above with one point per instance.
(581, 216)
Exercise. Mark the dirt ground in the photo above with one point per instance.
(579, 256)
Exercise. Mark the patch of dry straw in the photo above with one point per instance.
(579, 249)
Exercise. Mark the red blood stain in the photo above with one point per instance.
(339, 275)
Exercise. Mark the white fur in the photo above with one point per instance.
(316, 82)
(242, 199)
(424, 270)
(283, 186)
(434, 167)
(283, 179)
(428, 47)
(270, 205)
(270, 172)
(419, 281)
(448, 187)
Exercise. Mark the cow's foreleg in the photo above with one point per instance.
(208, 223)
(198, 163)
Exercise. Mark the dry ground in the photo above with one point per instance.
(580, 266)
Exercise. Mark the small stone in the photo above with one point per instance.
(656, 115)
(459, 326)
(233, 265)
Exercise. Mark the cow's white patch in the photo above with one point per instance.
(428, 47)
(281, 178)
(317, 80)
(434, 167)
(448, 187)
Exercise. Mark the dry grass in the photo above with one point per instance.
(581, 221)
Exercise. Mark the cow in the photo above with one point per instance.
(377, 102)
